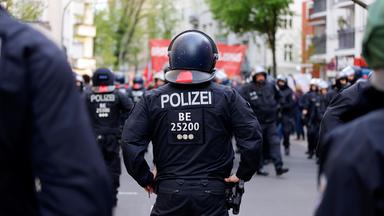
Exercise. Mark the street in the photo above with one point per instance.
(294, 194)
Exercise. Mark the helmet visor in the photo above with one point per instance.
(188, 76)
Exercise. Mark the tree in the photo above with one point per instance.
(25, 10)
(116, 27)
(161, 19)
(125, 26)
(263, 16)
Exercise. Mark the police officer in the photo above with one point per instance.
(222, 78)
(337, 114)
(49, 161)
(324, 92)
(362, 97)
(87, 83)
(351, 73)
(263, 98)
(312, 114)
(287, 104)
(352, 183)
(106, 106)
(190, 122)
(120, 83)
(159, 79)
(79, 82)
(137, 90)
(341, 81)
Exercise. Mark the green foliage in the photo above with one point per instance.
(25, 10)
(161, 19)
(116, 28)
(123, 30)
(241, 16)
(106, 40)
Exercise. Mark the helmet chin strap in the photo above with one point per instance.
(377, 80)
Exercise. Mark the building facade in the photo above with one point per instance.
(337, 32)
(195, 14)
(69, 23)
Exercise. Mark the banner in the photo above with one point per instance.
(159, 54)
(230, 57)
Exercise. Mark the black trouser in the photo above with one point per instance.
(312, 136)
(287, 124)
(271, 138)
(110, 147)
(190, 198)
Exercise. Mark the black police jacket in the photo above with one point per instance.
(354, 173)
(263, 100)
(313, 103)
(49, 161)
(108, 110)
(329, 96)
(191, 129)
(351, 103)
(286, 101)
(135, 94)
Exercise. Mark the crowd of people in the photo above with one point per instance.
(280, 110)
(68, 159)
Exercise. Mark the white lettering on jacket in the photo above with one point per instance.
(194, 98)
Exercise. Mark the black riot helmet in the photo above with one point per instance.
(138, 83)
(103, 81)
(192, 58)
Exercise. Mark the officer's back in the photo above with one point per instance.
(191, 126)
(263, 98)
(49, 163)
(190, 122)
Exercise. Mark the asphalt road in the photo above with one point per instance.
(294, 194)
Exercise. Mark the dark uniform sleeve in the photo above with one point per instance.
(330, 121)
(71, 176)
(344, 191)
(126, 103)
(289, 104)
(304, 102)
(248, 136)
(277, 93)
(136, 137)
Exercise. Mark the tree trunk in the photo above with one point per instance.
(127, 38)
(272, 38)
(274, 64)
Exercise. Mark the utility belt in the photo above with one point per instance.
(232, 192)
(190, 185)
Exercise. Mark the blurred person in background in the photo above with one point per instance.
(87, 83)
(298, 110)
(137, 90)
(263, 97)
(341, 81)
(79, 82)
(222, 78)
(311, 103)
(159, 79)
(107, 107)
(286, 111)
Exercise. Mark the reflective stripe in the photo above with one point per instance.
(184, 77)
